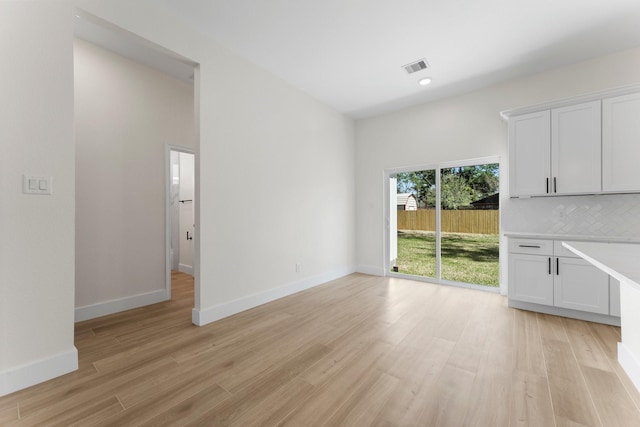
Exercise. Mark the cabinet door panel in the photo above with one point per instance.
(529, 154)
(529, 279)
(581, 286)
(576, 149)
(621, 143)
(614, 297)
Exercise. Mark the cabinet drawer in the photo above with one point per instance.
(559, 250)
(531, 246)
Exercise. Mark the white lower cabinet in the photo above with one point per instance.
(529, 280)
(614, 297)
(580, 286)
(544, 272)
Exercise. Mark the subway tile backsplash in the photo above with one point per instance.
(615, 215)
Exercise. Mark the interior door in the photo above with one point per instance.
(174, 206)
(186, 206)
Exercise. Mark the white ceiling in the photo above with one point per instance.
(349, 53)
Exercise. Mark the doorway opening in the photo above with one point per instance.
(123, 120)
(181, 198)
(444, 223)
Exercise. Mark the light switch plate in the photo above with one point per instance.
(36, 184)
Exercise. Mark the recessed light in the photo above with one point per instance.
(425, 81)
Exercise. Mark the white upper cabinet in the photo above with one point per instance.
(576, 149)
(529, 154)
(621, 143)
(556, 151)
(589, 144)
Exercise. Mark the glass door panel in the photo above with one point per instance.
(416, 223)
(469, 201)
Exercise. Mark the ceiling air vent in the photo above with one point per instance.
(416, 66)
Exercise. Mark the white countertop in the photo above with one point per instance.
(620, 260)
(573, 237)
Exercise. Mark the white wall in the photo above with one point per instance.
(262, 142)
(289, 160)
(37, 244)
(125, 115)
(466, 127)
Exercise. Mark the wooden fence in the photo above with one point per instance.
(460, 221)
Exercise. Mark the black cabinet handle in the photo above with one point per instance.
(529, 246)
(555, 187)
(549, 265)
(557, 266)
(189, 238)
(547, 185)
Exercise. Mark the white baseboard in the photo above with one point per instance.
(121, 304)
(369, 269)
(630, 364)
(29, 374)
(217, 312)
(185, 268)
(565, 312)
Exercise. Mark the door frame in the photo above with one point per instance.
(130, 37)
(388, 174)
(168, 216)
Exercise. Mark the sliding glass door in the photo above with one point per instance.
(447, 223)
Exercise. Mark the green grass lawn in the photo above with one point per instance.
(469, 258)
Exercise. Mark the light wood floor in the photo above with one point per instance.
(358, 351)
